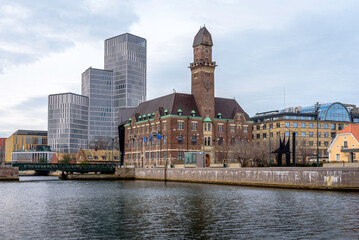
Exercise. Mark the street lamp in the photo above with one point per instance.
(270, 156)
(317, 110)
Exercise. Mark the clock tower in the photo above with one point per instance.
(202, 73)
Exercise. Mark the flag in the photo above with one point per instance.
(144, 139)
(159, 136)
(150, 138)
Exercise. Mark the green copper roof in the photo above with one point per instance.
(219, 114)
(179, 110)
(207, 119)
(139, 116)
(130, 119)
(166, 111)
(153, 114)
(144, 115)
(149, 115)
(193, 111)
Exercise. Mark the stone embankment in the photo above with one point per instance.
(9, 174)
(285, 177)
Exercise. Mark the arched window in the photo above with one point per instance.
(220, 141)
(194, 140)
(180, 139)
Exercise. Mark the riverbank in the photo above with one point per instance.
(9, 174)
(282, 177)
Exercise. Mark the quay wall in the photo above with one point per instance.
(9, 174)
(285, 177)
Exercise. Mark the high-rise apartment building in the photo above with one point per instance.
(68, 122)
(125, 55)
(97, 85)
(120, 85)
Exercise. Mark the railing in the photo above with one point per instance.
(64, 167)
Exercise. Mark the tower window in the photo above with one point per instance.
(195, 75)
(207, 74)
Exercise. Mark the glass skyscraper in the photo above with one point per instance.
(97, 85)
(67, 122)
(125, 55)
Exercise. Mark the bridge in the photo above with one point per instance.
(67, 167)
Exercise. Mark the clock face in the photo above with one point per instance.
(207, 84)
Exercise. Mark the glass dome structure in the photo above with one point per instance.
(330, 112)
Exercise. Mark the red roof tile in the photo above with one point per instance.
(353, 129)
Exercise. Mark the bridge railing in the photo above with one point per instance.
(65, 167)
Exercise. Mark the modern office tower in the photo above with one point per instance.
(125, 55)
(67, 122)
(97, 85)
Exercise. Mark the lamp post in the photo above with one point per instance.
(317, 110)
(270, 156)
(113, 142)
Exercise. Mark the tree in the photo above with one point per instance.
(66, 159)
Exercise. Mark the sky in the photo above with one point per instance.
(270, 54)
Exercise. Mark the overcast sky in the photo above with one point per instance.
(270, 54)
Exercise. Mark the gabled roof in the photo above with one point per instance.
(198, 39)
(228, 108)
(171, 102)
(30, 132)
(353, 129)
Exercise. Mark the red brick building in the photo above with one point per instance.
(166, 127)
(2, 149)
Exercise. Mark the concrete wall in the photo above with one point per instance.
(307, 178)
(9, 174)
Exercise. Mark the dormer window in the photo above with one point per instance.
(179, 112)
(219, 115)
(130, 120)
(144, 117)
(139, 118)
(149, 116)
(193, 113)
(166, 112)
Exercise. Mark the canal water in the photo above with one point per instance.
(47, 208)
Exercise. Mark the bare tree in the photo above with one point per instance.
(104, 143)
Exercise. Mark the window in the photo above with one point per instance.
(264, 135)
(180, 155)
(164, 126)
(258, 127)
(302, 125)
(271, 126)
(165, 155)
(220, 128)
(319, 143)
(295, 125)
(194, 140)
(278, 125)
(318, 125)
(332, 126)
(245, 129)
(287, 124)
(310, 134)
(164, 139)
(345, 144)
(194, 126)
(207, 141)
(287, 134)
(311, 143)
(208, 126)
(326, 143)
(264, 126)
(337, 157)
(340, 126)
(233, 141)
(207, 74)
(326, 134)
(325, 125)
(220, 141)
(258, 136)
(180, 125)
(303, 134)
(310, 125)
(195, 75)
(180, 139)
(232, 128)
(319, 134)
